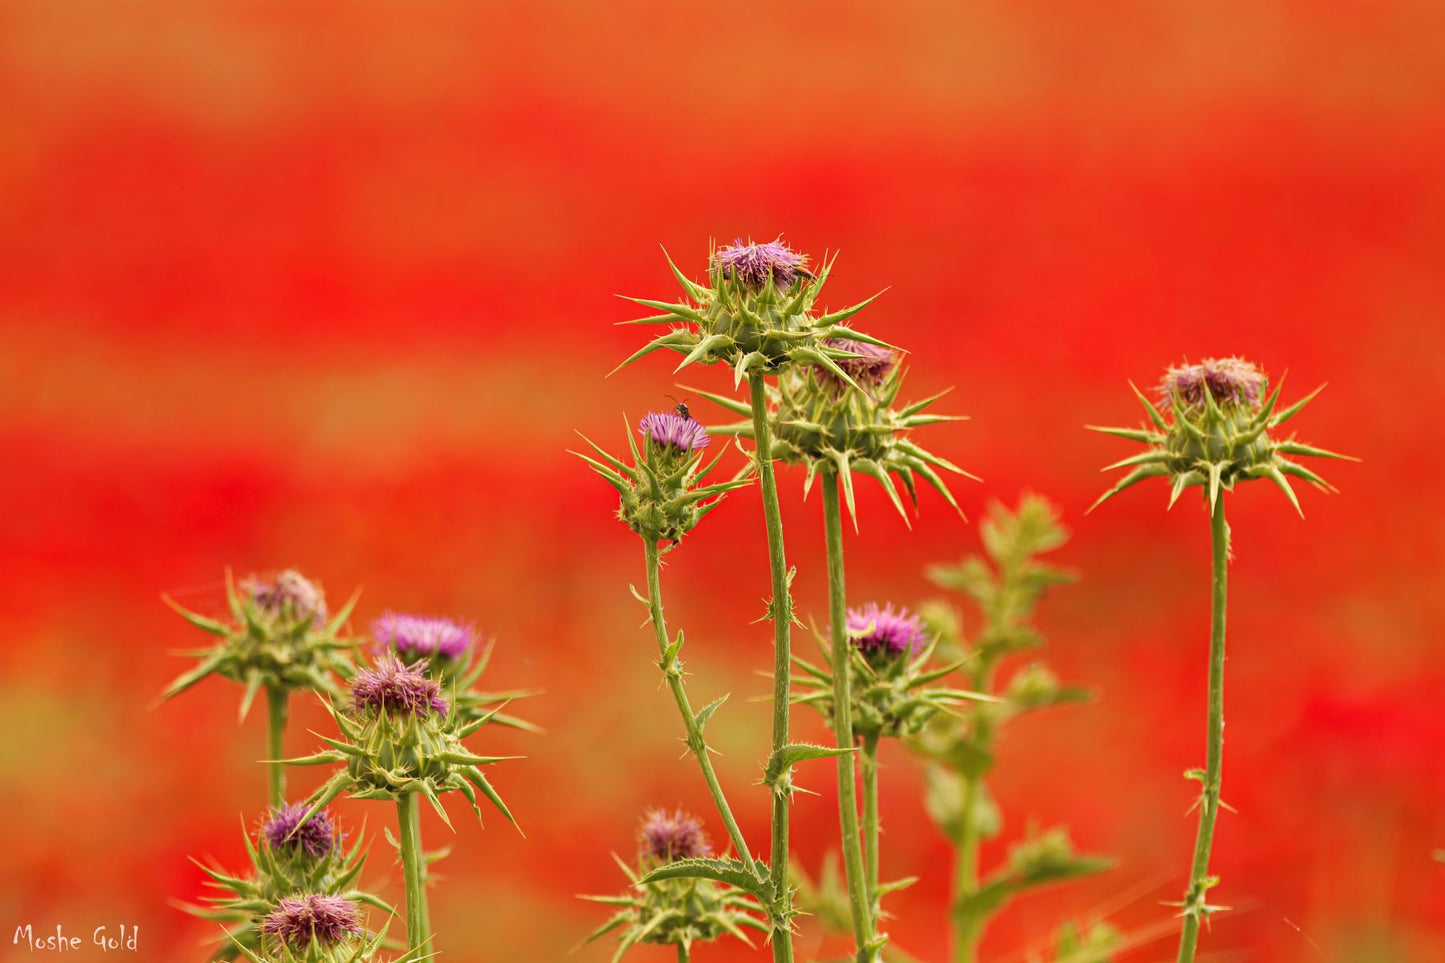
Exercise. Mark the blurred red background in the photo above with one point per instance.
(330, 285)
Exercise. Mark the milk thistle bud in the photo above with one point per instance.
(890, 682)
(680, 909)
(401, 737)
(662, 494)
(278, 639)
(456, 658)
(756, 312)
(1217, 433)
(289, 858)
(819, 421)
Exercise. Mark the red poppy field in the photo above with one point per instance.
(332, 286)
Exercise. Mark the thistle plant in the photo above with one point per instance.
(677, 910)
(401, 739)
(318, 928)
(886, 658)
(279, 639)
(1217, 432)
(756, 315)
(1006, 585)
(288, 859)
(835, 419)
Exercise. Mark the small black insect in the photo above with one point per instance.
(681, 408)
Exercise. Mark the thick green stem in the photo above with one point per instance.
(871, 827)
(858, 891)
(276, 699)
(781, 612)
(672, 669)
(683, 953)
(1194, 898)
(413, 865)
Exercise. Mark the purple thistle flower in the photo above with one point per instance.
(667, 429)
(288, 591)
(316, 838)
(872, 364)
(752, 264)
(876, 631)
(422, 636)
(393, 687)
(315, 919)
(1231, 381)
(667, 836)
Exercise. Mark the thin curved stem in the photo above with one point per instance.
(672, 669)
(276, 699)
(781, 612)
(1195, 907)
(858, 901)
(418, 931)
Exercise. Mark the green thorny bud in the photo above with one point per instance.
(279, 638)
(891, 683)
(755, 313)
(672, 900)
(662, 491)
(1217, 433)
(820, 422)
(314, 861)
(400, 737)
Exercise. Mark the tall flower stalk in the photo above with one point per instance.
(1221, 413)
(756, 316)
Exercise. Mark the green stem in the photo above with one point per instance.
(858, 901)
(871, 827)
(968, 928)
(781, 612)
(413, 865)
(276, 699)
(1194, 897)
(672, 669)
(683, 954)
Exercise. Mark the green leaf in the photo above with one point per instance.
(729, 871)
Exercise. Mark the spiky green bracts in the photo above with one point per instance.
(1217, 433)
(401, 738)
(662, 491)
(755, 313)
(279, 639)
(829, 424)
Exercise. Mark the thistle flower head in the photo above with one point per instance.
(395, 688)
(666, 836)
(315, 920)
(288, 594)
(1218, 433)
(752, 264)
(672, 432)
(284, 832)
(884, 631)
(869, 367)
(1230, 381)
(414, 637)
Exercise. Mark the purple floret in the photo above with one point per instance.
(415, 637)
(1231, 381)
(871, 365)
(884, 631)
(288, 592)
(316, 919)
(752, 264)
(395, 688)
(317, 837)
(666, 836)
(671, 430)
